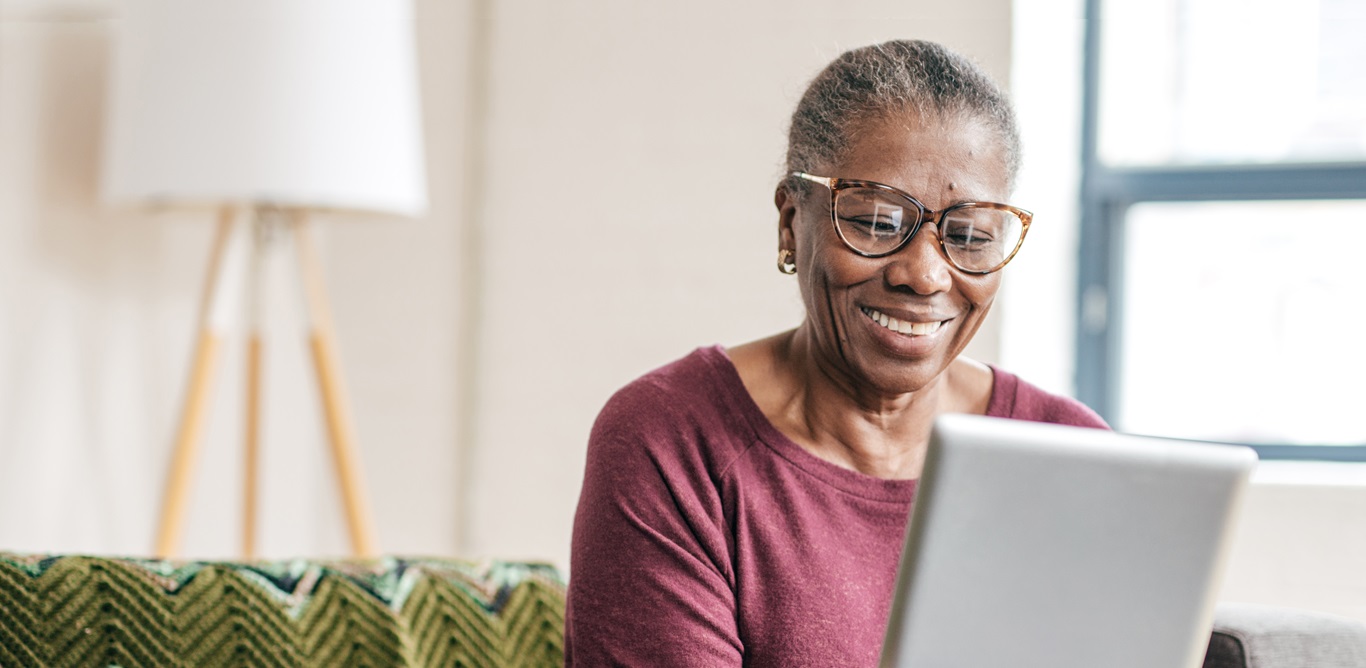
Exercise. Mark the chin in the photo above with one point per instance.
(900, 376)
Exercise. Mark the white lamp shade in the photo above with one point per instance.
(295, 103)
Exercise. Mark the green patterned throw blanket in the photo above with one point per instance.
(99, 612)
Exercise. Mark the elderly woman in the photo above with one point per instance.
(748, 505)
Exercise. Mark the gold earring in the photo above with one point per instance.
(786, 263)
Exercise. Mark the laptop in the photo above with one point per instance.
(1036, 545)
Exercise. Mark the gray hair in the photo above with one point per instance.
(873, 83)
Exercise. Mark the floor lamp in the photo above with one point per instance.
(273, 110)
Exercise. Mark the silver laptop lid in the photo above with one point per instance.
(1058, 547)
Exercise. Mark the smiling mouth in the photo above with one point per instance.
(902, 326)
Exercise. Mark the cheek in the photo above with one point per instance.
(836, 275)
(980, 291)
(829, 263)
(816, 258)
(829, 278)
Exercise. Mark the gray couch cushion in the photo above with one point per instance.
(1260, 636)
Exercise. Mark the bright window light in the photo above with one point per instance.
(1206, 82)
(1244, 321)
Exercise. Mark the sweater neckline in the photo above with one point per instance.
(1000, 404)
(846, 480)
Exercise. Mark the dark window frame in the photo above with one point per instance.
(1107, 193)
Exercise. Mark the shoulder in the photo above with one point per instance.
(1013, 397)
(653, 581)
(691, 388)
(690, 409)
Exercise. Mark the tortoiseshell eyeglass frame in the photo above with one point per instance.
(926, 214)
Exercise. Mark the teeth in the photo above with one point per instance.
(912, 328)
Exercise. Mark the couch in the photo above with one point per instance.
(90, 611)
(86, 611)
(1263, 636)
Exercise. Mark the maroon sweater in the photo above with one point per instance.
(704, 537)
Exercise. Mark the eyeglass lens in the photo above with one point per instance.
(975, 238)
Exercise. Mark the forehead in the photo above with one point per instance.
(939, 158)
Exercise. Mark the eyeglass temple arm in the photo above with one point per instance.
(823, 180)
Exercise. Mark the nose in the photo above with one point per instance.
(920, 265)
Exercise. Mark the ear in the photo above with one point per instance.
(786, 201)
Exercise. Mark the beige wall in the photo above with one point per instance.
(1301, 541)
(601, 177)
(97, 311)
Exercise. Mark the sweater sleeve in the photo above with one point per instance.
(1015, 398)
(650, 578)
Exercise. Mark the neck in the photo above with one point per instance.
(880, 434)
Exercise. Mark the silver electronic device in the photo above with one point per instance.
(1037, 545)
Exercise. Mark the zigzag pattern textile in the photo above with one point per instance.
(76, 611)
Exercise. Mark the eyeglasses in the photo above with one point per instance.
(876, 220)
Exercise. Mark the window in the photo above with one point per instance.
(1223, 265)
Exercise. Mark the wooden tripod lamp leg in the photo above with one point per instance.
(213, 320)
(340, 432)
(252, 453)
(253, 446)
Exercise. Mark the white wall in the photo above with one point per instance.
(1301, 539)
(97, 312)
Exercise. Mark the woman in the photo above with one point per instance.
(748, 506)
